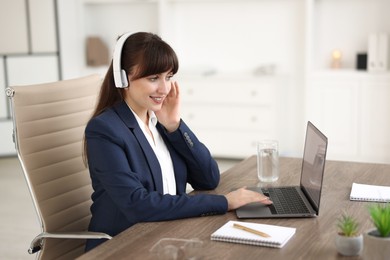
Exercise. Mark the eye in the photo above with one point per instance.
(153, 78)
(169, 77)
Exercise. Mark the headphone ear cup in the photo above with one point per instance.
(125, 82)
(120, 76)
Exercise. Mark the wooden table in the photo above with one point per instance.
(314, 238)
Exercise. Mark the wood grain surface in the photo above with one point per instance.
(314, 238)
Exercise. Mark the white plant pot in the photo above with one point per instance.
(375, 248)
(349, 246)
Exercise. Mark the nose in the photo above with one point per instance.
(164, 87)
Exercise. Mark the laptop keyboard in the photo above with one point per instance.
(286, 200)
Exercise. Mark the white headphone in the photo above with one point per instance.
(120, 76)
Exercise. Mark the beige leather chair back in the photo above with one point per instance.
(49, 123)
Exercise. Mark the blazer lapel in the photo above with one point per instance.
(128, 118)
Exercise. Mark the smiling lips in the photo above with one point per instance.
(157, 100)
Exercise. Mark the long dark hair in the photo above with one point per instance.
(146, 52)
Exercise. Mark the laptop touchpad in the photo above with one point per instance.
(256, 209)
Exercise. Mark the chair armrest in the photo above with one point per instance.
(37, 242)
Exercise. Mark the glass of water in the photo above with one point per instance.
(268, 160)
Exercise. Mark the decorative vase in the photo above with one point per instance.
(349, 246)
(375, 247)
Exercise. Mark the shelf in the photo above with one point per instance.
(345, 26)
(351, 74)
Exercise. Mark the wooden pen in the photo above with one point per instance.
(250, 230)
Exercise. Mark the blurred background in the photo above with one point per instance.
(249, 70)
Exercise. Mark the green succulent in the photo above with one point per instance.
(380, 216)
(348, 225)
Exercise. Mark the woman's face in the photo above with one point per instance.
(148, 93)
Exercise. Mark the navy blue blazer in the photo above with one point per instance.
(127, 179)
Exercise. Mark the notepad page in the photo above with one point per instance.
(365, 192)
(279, 235)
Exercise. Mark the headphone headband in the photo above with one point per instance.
(120, 76)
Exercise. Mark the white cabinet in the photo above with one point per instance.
(333, 108)
(352, 109)
(230, 114)
(375, 118)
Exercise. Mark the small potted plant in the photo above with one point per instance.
(377, 240)
(349, 241)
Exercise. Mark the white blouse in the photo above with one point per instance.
(161, 151)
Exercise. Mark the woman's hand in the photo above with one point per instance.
(243, 196)
(169, 114)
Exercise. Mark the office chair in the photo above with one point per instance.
(49, 121)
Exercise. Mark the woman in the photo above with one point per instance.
(140, 153)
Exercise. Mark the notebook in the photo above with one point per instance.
(365, 192)
(298, 201)
(278, 235)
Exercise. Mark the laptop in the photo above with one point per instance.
(298, 201)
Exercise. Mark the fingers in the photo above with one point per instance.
(242, 196)
(262, 198)
(177, 88)
(266, 201)
(174, 89)
(258, 196)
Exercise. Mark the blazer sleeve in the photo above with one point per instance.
(116, 161)
(203, 172)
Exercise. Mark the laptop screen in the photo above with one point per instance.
(313, 164)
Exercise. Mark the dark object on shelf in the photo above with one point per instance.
(361, 61)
